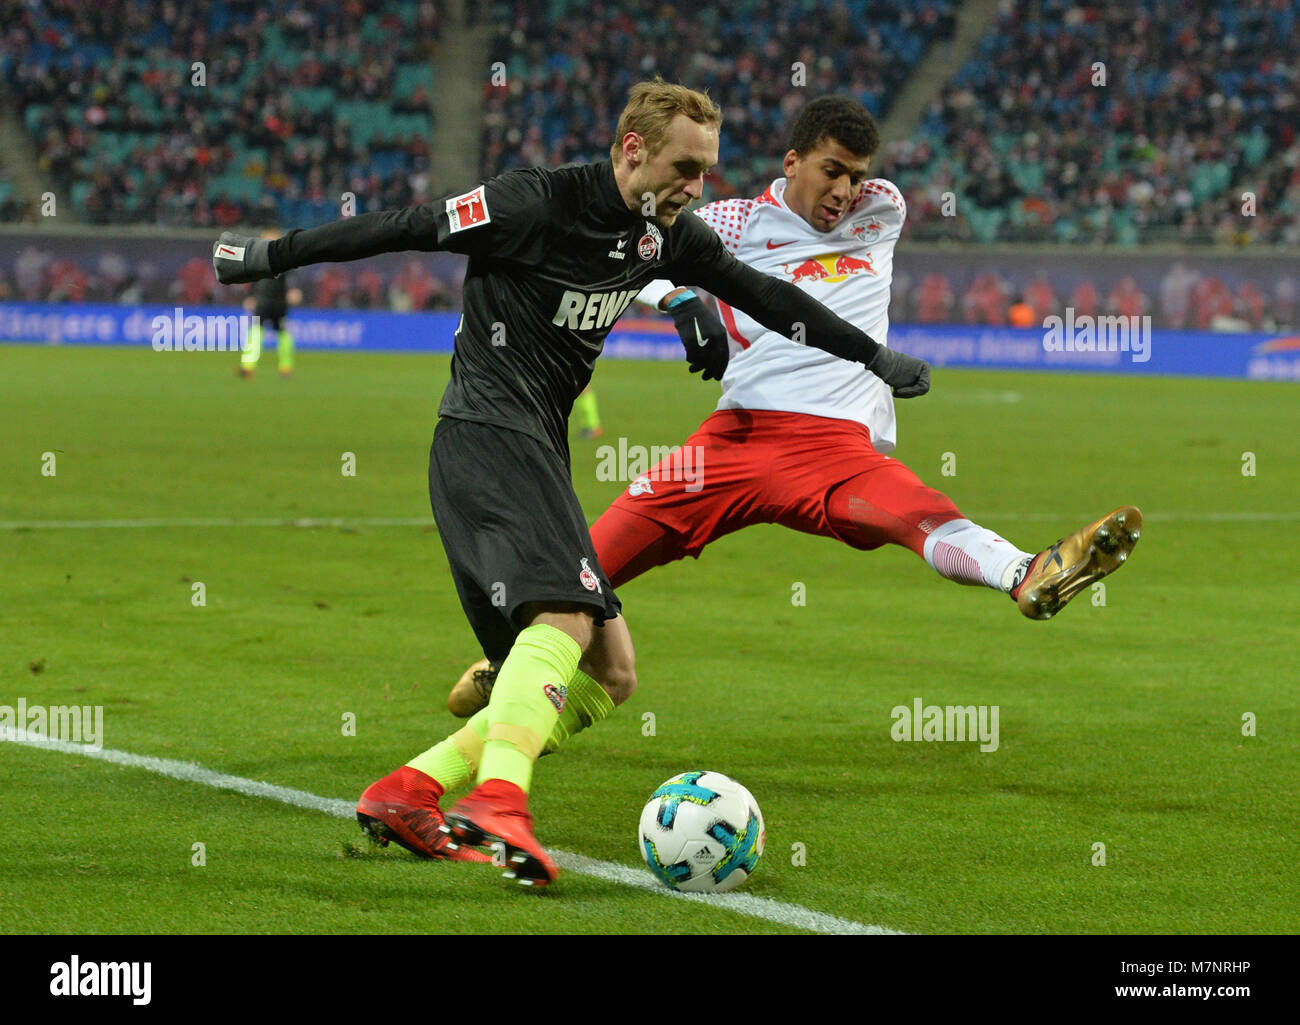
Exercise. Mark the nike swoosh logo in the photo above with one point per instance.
(700, 340)
(778, 245)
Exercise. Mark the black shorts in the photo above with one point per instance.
(512, 528)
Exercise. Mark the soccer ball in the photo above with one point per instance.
(702, 832)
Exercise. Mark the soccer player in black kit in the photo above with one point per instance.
(554, 257)
(269, 302)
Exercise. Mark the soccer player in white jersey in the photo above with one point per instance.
(801, 438)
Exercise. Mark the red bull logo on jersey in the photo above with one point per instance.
(832, 267)
(868, 232)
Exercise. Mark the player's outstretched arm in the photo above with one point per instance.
(506, 217)
(238, 258)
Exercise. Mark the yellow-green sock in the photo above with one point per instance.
(253, 350)
(588, 414)
(587, 704)
(284, 350)
(527, 698)
(453, 762)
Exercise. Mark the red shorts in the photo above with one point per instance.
(810, 473)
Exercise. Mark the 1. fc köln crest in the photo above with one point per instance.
(650, 242)
(589, 579)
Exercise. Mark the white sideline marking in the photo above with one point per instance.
(427, 521)
(742, 904)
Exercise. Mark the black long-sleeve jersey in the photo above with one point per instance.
(271, 296)
(554, 257)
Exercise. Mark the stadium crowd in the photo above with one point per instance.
(1125, 124)
(1194, 117)
(1196, 110)
(1181, 297)
(568, 65)
(291, 107)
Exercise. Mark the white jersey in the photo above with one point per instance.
(848, 269)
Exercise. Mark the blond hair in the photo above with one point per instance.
(651, 107)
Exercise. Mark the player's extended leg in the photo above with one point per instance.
(284, 350)
(545, 697)
(527, 702)
(1061, 571)
(627, 545)
(888, 503)
(403, 807)
(486, 534)
(529, 540)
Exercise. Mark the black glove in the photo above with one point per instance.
(238, 258)
(906, 375)
(703, 336)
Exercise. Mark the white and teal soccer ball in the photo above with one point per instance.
(702, 832)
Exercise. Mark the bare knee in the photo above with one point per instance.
(578, 621)
(611, 660)
(619, 681)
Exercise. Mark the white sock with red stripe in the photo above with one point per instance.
(970, 554)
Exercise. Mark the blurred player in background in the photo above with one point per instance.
(588, 414)
(269, 300)
(800, 437)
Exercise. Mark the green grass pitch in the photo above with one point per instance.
(1120, 724)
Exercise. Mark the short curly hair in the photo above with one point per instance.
(840, 118)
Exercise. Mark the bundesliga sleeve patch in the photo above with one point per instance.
(469, 210)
